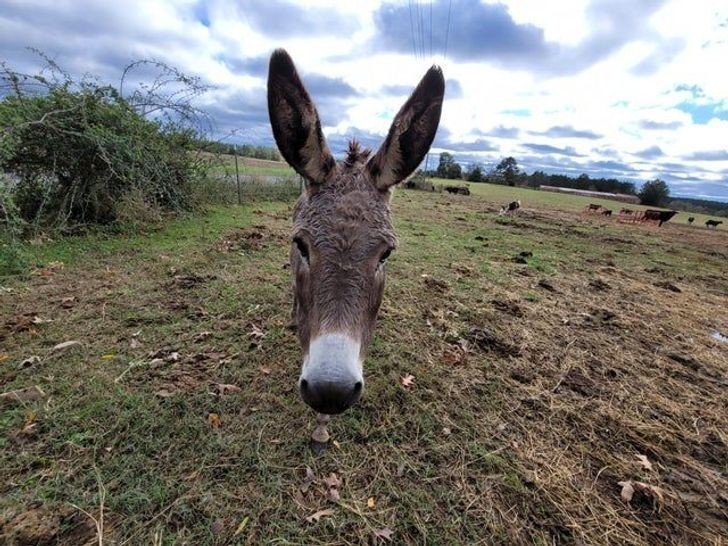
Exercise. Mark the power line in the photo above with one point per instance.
(447, 30)
(430, 29)
(412, 31)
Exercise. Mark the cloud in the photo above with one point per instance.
(661, 55)
(248, 66)
(479, 145)
(319, 85)
(652, 152)
(483, 31)
(281, 19)
(567, 131)
(651, 125)
(502, 132)
(548, 149)
(709, 155)
(453, 90)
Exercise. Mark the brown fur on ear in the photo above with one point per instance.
(295, 121)
(411, 133)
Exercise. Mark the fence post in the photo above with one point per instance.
(237, 173)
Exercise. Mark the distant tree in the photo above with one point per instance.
(538, 178)
(508, 170)
(655, 193)
(448, 167)
(475, 173)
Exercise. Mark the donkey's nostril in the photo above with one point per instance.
(358, 386)
(304, 385)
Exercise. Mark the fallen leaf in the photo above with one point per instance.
(66, 345)
(320, 514)
(227, 388)
(264, 370)
(164, 393)
(332, 480)
(241, 527)
(135, 343)
(38, 320)
(646, 464)
(631, 488)
(108, 357)
(172, 357)
(29, 423)
(408, 381)
(28, 362)
(4, 357)
(337, 445)
(202, 336)
(308, 480)
(384, 534)
(256, 332)
(217, 527)
(371, 503)
(446, 431)
(23, 395)
(333, 495)
(627, 491)
(214, 420)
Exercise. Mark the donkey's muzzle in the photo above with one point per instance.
(331, 379)
(329, 397)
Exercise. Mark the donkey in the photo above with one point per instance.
(342, 231)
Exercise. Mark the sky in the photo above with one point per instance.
(630, 89)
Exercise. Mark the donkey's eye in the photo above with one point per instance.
(302, 248)
(384, 256)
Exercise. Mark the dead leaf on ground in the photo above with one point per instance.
(202, 336)
(242, 526)
(332, 480)
(23, 395)
(66, 345)
(264, 370)
(165, 393)
(308, 480)
(217, 527)
(333, 495)
(4, 357)
(371, 503)
(646, 464)
(108, 357)
(30, 361)
(135, 343)
(631, 488)
(320, 514)
(382, 534)
(408, 381)
(227, 388)
(214, 420)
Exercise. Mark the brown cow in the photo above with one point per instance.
(713, 223)
(658, 216)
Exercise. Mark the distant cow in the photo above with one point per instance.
(713, 223)
(510, 208)
(459, 190)
(591, 207)
(606, 212)
(626, 211)
(691, 220)
(659, 216)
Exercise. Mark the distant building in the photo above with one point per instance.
(624, 197)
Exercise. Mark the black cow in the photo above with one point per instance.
(713, 223)
(607, 212)
(459, 190)
(691, 220)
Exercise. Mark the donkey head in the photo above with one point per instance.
(342, 229)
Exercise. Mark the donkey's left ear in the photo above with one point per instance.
(411, 133)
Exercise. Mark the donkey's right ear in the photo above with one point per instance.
(295, 121)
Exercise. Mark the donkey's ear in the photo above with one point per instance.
(411, 134)
(295, 121)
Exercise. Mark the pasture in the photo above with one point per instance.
(554, 356)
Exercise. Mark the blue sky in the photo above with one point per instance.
(632, 89)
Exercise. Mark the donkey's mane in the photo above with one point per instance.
(356, 154)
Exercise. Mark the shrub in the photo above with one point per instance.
(78, 150)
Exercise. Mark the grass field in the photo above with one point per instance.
(548, 350)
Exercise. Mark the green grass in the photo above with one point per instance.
(496, 444)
